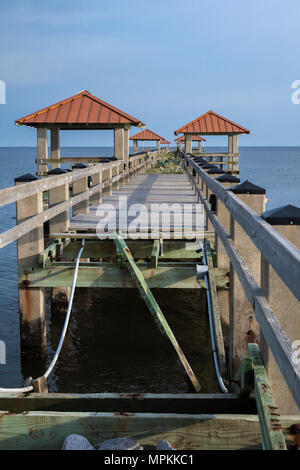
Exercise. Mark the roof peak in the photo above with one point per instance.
(146, 134)
(206, 125)
(81, 108)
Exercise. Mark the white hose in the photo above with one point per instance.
(63, 334)
(213, 343)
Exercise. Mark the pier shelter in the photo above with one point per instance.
(147, 135)
(195, 138)
(212, 123)
(82, 111)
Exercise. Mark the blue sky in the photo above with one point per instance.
(165, 62)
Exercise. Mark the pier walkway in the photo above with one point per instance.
(148, 204)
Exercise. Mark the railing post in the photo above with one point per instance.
(59, 224)
(240, 309)
(31, 299)
(97, 179)
(80, 186)
(214, 173)
(284, 304)
(223, 215)
(223, 261)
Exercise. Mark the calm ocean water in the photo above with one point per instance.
(275, 168)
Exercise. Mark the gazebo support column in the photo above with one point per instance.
(158, 145)
(199, 146)
(235, 150)
(42, 149)
(188, 143)
(119, 143)
(135, 146)
(126, 144)
(55, 147)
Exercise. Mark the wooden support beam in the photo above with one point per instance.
(269, 417)
(155, 253)
(41, 430)
(243, 380)
(155, 310)
(187, 403)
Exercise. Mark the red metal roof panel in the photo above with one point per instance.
(212, 123)
(146, 134)
(194, 138)
(82, 108)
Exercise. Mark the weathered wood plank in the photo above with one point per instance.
(269, 417)
(155, 310)
(47, 430)
(187, 403)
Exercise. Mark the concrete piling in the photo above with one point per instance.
(286, 220)
(31, 300)
(240, 309)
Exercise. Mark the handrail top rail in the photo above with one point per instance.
(276, 249)
(15, 193)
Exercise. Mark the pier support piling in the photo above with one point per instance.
(240, 309)
(59, 224)
(31, 300)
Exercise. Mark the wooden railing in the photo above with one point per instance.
(136, 164)
(282, 255)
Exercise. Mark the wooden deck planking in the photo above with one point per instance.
(142, 194)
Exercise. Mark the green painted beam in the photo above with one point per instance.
(106, 275)
(269, 417)
(243, 380)
(155, 310)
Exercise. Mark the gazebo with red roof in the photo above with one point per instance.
(195, 138)
(165, 142)
(81, 111)
(212, 123)
(146, 134)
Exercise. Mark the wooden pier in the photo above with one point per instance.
(246, 260)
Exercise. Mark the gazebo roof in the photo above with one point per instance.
(146, 134)
(194, 137)
(212, 123)
(81, 111)
(164, 141)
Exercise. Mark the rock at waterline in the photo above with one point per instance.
(120, 443)
(76, 442)
(164, 445)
